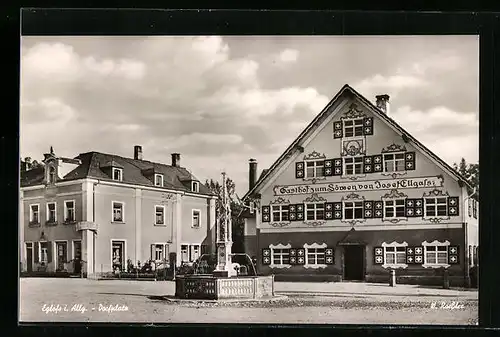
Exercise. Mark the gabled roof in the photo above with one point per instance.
(346, 92)
(94, 164)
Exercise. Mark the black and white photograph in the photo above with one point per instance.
(275, 179)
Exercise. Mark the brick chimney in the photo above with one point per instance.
(252, 173)
(138, 152)
(176, 159)
(383, 103)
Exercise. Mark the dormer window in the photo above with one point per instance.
(52, 175)
(117, 174)
(195, 186)
(159, 180)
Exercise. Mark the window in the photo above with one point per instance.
(353, 128)
(280, 213)
(159, 252)
(51, 212)
(195, 252)
(117, 174)
(190, 253)
(315, 169)
(315, 211)
(195, 186)
(394, 208)
(315, 255)
(435, 207)
(394, 162)
(118, 211)
(69, 211)
(353, 165)
(184, 253)
(280, 256)
(436, 255)
(52, 174)
(43, 252)
(474, 208)
(159, 215)
(196, 218)
(395, 255)
(159, 180)
(35, 213)
(353, 210)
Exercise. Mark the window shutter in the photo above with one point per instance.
(329, 256)
(266, 216)
(337, 167)
(300, 212)
(301, 256)
(377, 163)
(36, 245)
(299, 170)
(453, 255)
(337, 210)
(378, 255)
(419, 207)
(368, 126)
(419, 255)
(266, 256)
(453, 206)
(329, 210)
(368, 164)
(410, 161)
(410, 255)
(410, 208)
(379, 209)
(49, 252)
(337, 130)
(368, 209)
(293, 256)
(292, 213)
(328, 167)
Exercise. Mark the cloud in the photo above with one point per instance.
(289, 55)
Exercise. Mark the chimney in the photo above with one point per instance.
(383, 103)
(252, 173)
(138, 152)
(176, 159)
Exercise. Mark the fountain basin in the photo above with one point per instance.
(210, 287)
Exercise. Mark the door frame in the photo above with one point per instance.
(363, 249)
(57, 252)
(124, 252)
(32, 254)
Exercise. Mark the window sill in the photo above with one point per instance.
(51, 223)
(395, 266)
(72, 222)
(160, 225)
(34, 224)
(353, 176)
(315, 266)
(280, 266)
(436, 266)
(195, 227)
(118, 222)
(395, 220)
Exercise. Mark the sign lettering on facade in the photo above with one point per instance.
(360, 186)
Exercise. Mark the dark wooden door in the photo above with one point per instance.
(354, 263)
(62, 253)
(29, 257)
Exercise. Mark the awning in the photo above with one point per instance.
(353, 237)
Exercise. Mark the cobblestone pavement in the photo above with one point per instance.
(82, 300)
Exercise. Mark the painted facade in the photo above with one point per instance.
(104, 220)
(356, 196)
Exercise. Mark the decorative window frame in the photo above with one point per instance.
(115, 169)
(164, 215)
(279, 246)
(394, 265)
(199, 218)
(394, 195)
(314, 199)
(353, 197)
(314, 246)
(279, 202)
(47, 214)
(158, 175)
(314, 157)
(113, 202)
(31, 213)
(354, 176)
(195, 186)
(164, 250)
(435, 193)
(393, 149)
(426, 244)
(66, 211)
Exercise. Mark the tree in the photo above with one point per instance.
(237, 222)
(471, 174)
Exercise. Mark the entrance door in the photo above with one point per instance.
(77, 261)
(29, 256)
(62, 254)
(354, 263)
(118, 251)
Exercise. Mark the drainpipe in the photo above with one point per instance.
(466, 235)
(93, 220)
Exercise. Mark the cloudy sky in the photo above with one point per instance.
(222, 100)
